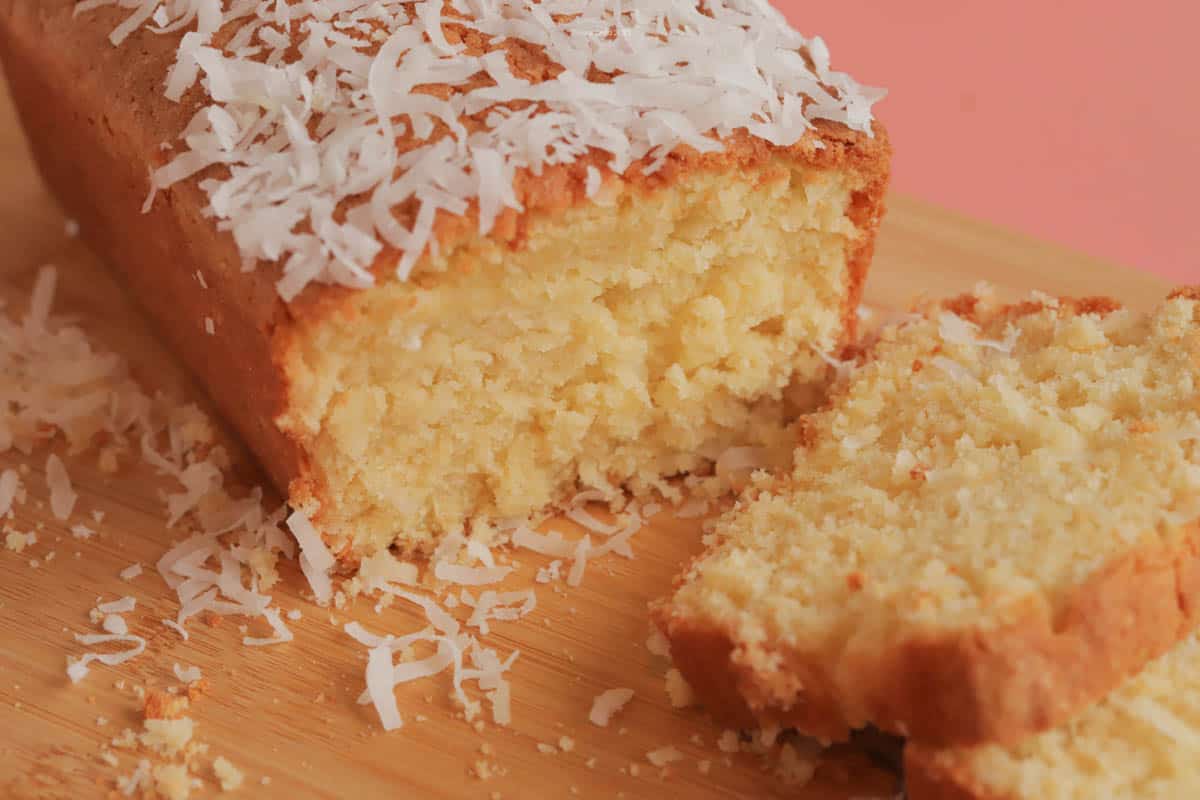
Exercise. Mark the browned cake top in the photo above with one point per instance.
(340, 137)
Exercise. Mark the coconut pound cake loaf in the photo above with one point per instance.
(1138, 744)
(992, 524)
(447, 263)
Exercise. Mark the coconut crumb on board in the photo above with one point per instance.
(728, 741)
(229, 777)
(663, 756)
(17, 541)
(167, 736)
(172, 781)
(131, 784)
(794, 767)
(679, 691)
(657, 643)
(226, 553)
(12, 493)
(607, 704)
(189, 674)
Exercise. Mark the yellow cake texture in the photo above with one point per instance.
(632, 339)
(1138, 744)
(990, 526)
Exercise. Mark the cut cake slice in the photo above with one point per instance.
(990, 527)
(1139, 743)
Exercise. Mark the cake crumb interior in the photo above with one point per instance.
(632, 338)
(964, 479)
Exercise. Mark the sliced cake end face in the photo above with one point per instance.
(625, 340)
(988, 528)
(1139, 743)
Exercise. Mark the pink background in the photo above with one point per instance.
(1076, 121)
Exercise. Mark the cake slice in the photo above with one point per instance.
(443, 265)
(992, 524)
(1140, 743)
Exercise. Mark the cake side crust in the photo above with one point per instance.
(943, 691)
(1130, 744)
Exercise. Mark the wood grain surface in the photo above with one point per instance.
(287, 713)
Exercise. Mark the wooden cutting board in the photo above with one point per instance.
(287, 713)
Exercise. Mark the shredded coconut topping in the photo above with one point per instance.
(344, 127)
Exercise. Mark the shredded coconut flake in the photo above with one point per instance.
(380, 684)
(501, 606)
(607, 704)
(579, 562)
(133, 783)
(279, 628)
(547, 544)
(228, 776)
(78, 668)
(316, 561)
(122, 606)
(175, 626)
(593, 181)
(657, 644)
(549, 573)
(470, 576)
(664, 755)
(10, 482)
(581, 516)
(186, 674)
(62, 496)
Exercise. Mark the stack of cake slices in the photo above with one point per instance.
(989, 544)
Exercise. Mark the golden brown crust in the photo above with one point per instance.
(962, 688)
(98, 117)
